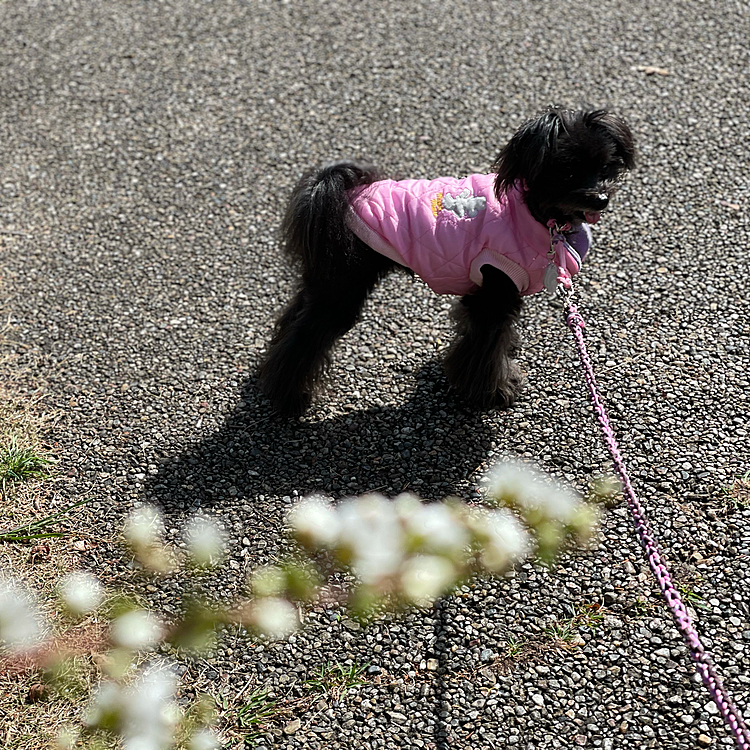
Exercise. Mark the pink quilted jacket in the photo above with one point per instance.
(446, 229)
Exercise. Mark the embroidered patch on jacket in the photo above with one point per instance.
(437, 204)
(464, 204)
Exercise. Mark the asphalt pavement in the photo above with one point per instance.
(146, 152)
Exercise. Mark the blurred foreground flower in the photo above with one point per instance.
(80, 592)
(136, 630)
(20, 620)
(551, 512)
(411, 552)
(205, 542)
(272, 616)
(143, 533)
(205, 739)
(144, 714)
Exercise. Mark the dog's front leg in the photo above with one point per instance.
(479, 364)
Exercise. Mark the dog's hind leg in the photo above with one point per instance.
(479, 364)
(321, 312)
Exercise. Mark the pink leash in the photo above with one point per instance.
(703, 662)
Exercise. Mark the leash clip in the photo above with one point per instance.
(556, 274)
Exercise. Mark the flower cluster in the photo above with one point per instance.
(404, 549)
(400, 553)
(553, 513)
(404, 552)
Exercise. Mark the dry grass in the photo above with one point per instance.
(31, 715)
(738, 495)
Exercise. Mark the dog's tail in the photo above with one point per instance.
(314, 226)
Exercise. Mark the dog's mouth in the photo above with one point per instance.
(592, 216)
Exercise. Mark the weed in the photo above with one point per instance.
(738, 495)
(642, 606)
(19, 463)
(39, 529)
(584, 616)
(336, 680)
(513, 647)
(255, 714)
(691, 597)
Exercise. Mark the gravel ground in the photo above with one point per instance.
(146, 149)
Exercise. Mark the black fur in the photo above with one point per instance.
(569, 161)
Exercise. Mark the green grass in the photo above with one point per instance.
(256, 714)
(39, 529)
(513, 647)
(19, 463)
(690, 597)
(336, 679)
(584, 616)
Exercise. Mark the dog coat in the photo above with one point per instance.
(446, 229)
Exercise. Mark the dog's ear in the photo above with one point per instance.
(618, 130)
(524, 155)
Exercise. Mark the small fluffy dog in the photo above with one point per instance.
(492, 239)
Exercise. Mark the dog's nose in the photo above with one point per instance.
(599, 201)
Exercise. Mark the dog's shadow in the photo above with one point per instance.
(430, 445)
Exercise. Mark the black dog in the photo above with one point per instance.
(490, 238)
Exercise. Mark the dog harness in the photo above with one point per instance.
(446, 229)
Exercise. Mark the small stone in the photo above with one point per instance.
(486, 655)
(397, 718)
(538, 699)
(704, 740)
(432, 665)
(292, 726)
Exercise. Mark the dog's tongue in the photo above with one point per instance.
(592, 216)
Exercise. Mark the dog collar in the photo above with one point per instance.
(556, 274)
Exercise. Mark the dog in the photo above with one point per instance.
(491, 239)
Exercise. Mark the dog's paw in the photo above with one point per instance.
(508, 389)
(497, 392)
(292, 405)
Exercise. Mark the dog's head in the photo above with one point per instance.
(568, 162)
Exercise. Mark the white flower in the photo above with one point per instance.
(106, 707)
(144, 714)
(276, 618)
(439, 529)
(150, 714)
(513, 482)
(204, 540)
(205, 739)
(137, 629)
(315, 522)
(20, 621)
(559, 505)
(505, 541)
(522, 487)
(143, 527)
(372, 533)
(81, 592)
(425, 577)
